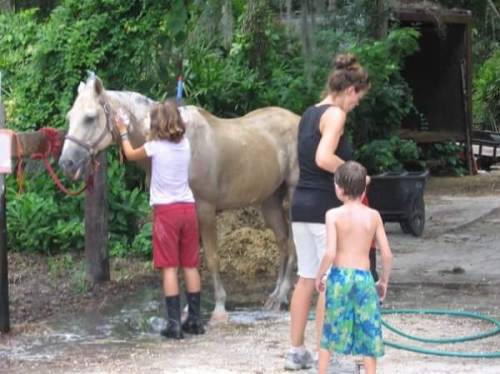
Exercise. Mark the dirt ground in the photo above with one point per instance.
(454, 265)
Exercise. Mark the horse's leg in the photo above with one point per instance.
(208, 231)
(272, 210)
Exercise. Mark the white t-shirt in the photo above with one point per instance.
(169, 175)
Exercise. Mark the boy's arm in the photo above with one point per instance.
(385, 254)
(330, 252)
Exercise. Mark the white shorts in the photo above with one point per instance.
(310, 245)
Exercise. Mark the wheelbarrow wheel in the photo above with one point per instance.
(405, 227)
(415, 222)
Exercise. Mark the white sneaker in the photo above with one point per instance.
(342, 364)
(337, 365)
(296, 361)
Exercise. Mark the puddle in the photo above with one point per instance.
(135, 322)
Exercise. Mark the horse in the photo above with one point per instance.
(235, 163)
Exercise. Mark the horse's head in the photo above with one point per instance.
(90, 128)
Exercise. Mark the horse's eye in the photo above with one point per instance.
(89, 119)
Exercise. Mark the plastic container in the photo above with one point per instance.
(399, 197)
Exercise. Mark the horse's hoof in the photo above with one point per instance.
(219, 317)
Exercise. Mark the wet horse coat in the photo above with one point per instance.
(250, 160)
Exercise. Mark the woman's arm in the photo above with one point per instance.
(131, 153)
(331, 128)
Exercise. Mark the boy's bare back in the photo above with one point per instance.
(351, 229)
(355, 227)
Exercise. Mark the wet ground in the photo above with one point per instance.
(454, 265)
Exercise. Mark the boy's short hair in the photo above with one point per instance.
(351, 177)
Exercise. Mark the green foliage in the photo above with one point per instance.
(486, 99)
(18, 33)
(389, 100)
(128, 208)
(127, 46)
(243, 78)
(43, 219)
(142, 245)
(140, 45)
(446, 158)
(393, 154)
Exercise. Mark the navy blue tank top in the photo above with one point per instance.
(315, 192)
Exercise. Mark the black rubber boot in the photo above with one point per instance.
(193, 324)
(173, 330)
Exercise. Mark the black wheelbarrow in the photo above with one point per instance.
(399, 197)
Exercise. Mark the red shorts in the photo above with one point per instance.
(175, 236)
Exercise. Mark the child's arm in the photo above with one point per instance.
(131, 153)
(330, 252)
(386, 255)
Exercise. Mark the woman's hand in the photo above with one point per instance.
(320, 282)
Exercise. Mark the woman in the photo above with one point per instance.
(175, 228)
(322, 148)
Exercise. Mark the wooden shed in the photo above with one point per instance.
(440, 76)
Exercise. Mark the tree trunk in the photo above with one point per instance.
(306, 41)
(381, 30)
(226, 23)
(6, 6)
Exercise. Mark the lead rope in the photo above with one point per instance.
(53, 147)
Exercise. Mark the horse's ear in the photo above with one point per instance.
(98, 87)
(81, 86)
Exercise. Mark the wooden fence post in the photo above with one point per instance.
(96, 226)
(4, 276)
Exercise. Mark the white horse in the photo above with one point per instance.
(251, 160)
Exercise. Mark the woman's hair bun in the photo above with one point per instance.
(346, 61)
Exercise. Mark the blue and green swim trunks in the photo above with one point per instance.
(352, 322)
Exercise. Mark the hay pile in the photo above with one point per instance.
(246, 247)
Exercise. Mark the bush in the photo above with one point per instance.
(392, 154)
(226, 82)
(43, 219)
(446, 158)
(124, 44)
(486, 99)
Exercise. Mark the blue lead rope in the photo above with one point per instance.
(180, 90)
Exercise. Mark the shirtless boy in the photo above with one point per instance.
(352, 319)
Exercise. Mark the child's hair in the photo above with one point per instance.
(166, 122)
(351, 177)
(347, 72)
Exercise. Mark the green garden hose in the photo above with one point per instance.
(462, 339)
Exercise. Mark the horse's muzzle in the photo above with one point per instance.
(74, 169)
